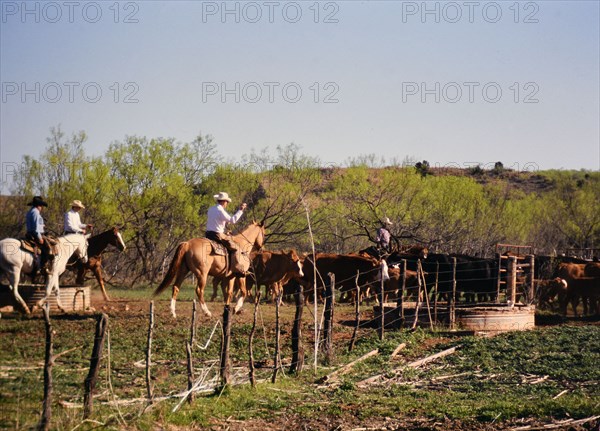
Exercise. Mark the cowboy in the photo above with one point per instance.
(383, 236)
(34, 223)
(73, 220)
(218, 218)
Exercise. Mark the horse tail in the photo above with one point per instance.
(180, 251)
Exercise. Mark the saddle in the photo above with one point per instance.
(237, 261)
(218, 248)
(28, 245)
(31, 246)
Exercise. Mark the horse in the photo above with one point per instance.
(96, 246)
(14, 262)
(197, 256)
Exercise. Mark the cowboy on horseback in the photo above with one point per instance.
(73, 220)
(218, 218)
(34, 223)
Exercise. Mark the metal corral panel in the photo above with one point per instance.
(72, 298)
(496, 319)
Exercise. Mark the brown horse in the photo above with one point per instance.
(197, 256)
(96, 246)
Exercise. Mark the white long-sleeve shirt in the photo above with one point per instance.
(73, 222)
(218, 219)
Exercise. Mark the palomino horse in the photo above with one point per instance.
(196, 255)
(96, 246)
(14, 262)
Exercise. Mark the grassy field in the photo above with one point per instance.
(514, 379)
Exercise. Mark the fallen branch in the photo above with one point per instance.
(561, 424)
(348, 366)
(560, 394)
(427, 359)
(414, 364)
(397, 350)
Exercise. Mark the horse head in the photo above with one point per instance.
(117, 239)
(82, 249)
(260, 237)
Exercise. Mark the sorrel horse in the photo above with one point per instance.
(197, 256)
(14, 262)
(96, 246)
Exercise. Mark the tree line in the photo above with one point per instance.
(160, 189)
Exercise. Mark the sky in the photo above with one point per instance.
(454, 83)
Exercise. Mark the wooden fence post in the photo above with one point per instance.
(452, 299)
(277, 357)
(225, 342)
(357, 313)
(149, 353)
(531, 293)
(188, 349)
(328, 320)
(297, 348)
(90, 381)
(418, 302)
(435, 291)
(511, 289)
(400, 299)
(44, 424)
(251, 339)
(499, 278)
(382, 308)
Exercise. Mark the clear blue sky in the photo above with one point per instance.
(383, 63)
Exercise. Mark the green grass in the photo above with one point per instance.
(501, 379)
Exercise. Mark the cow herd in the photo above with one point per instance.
(559, 281)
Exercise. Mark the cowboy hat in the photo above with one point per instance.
(388, 221)
(222, 196)
(77, 203)
(37, 201)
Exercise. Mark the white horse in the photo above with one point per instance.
(14, 262)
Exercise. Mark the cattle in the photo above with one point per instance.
(475, 277)
(270, 268)
(588, 290)
(548, 290)
(546, 267)
(393, 286)
(345, 268)
(578, 287)
(274, 269)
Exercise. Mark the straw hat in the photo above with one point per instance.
(222, 196)
(387, 221)
(77, 204)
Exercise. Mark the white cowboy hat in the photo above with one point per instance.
(222, 196)
(388, 221)
(77, 204)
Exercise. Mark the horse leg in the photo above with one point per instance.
(14, 286)
(80, 279)
(181, 273)
(241, 282)
(98, 274)
(215, 284)
(200, 285)
(56, 289)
